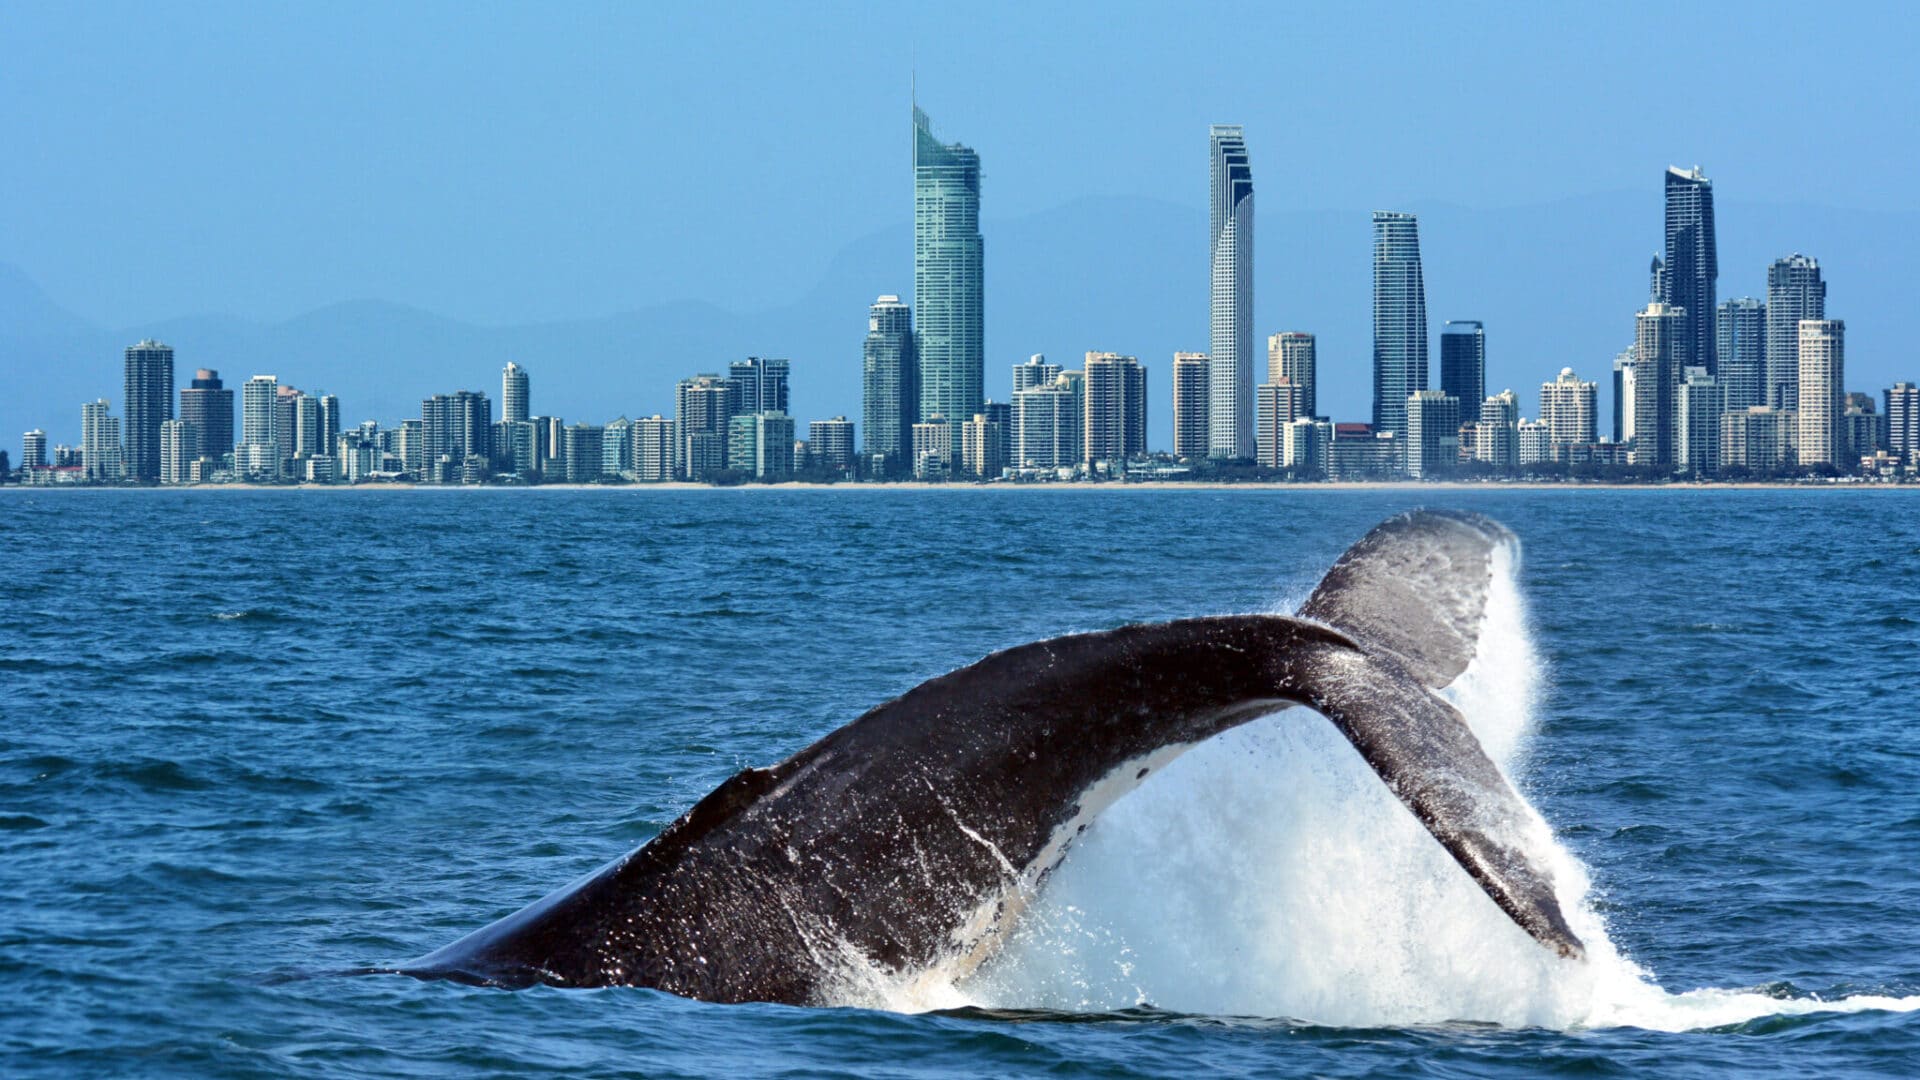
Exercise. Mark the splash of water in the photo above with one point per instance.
(1269, 872)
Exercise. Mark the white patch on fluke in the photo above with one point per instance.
(1269, 872)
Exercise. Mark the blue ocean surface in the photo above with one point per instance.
(250, 738)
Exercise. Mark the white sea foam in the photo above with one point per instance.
(1268, 872)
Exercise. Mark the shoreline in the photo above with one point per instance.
(1395, 486)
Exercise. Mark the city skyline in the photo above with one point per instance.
(1092, 420)
(956, 430)
(316, 354)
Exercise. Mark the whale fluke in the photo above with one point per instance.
(914, 836)
(1416, 588)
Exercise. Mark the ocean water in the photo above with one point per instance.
(248, 738)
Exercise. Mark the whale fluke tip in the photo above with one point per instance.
(1416, 587)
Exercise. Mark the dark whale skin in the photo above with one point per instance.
(917, 832)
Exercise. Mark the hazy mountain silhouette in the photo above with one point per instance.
(1556, 284)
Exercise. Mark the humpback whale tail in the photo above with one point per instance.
(1413, 594)
(915, 835)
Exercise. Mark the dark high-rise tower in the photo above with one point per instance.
(890, 387)
(208, 405)
(759, 385)
(1399, 320)
(1693, 267)
(149, 403)
(1463, 365)
(1795, 291)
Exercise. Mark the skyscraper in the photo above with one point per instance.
(1759, 439)
(1740, 342)
(948, 258)
(1496, 435)
(1533, 442)
(1116, 409)
(33, 447)
(831, 443)
(329, 422)
(514, 396)
(983, 446)
(1693, 266)
(149, 403)
(1399, 320)
(1306, 448)
(1567, 405)
(453, 428)
(100, 442)
(583, 451)
(773, 445)
(890, 386)
(1901, 402)
(616, 447)
(1463, 365)
(1048, 423)
(306, 427)
(207, 404)
(1860, 429)
(933, 454)
(1658, 352)
(1230, 234)
(179, 448)
(1433, 433)
(1795, 291)
(1000, 412)
(1192, 397)
(703, 407)
(1624, 388)
(1035, 372)
(760, 385)
(653, 448)
(1697, 410)
(1290, 356)
(1822, 387)
(258, 454)
(1276, 405)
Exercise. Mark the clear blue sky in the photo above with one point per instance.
(510, 163)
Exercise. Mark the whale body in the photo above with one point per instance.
(915, 835)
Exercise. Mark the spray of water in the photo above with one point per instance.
(1269, 872)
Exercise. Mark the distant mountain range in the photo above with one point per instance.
(1556, 284)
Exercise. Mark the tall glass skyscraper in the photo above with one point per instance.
(1399, 320)
(1463, 365)
(149, 403)
(948, 256)
(1692, 264)
(1230, 371)
(1795, 291)
(1740, 341)
(890, 387)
